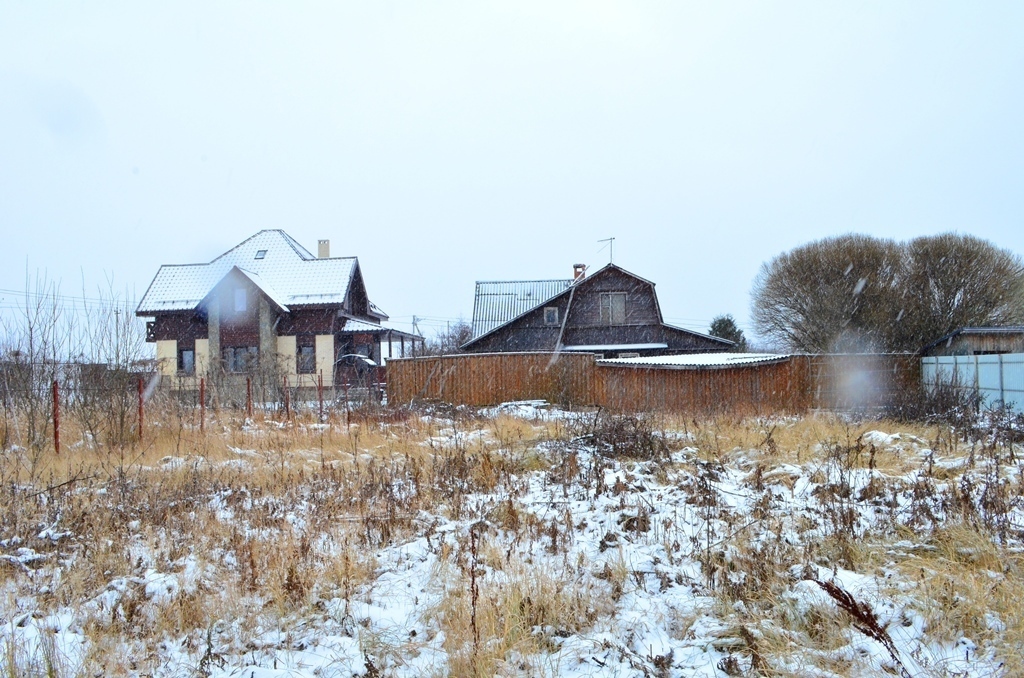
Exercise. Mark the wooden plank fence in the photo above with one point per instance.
(481, 379)
(793, 385)
(771, 388)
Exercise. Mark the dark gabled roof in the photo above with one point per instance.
(1009, 329)
(272, 259)
(501, 313)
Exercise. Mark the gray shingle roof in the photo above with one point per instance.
(294, 275)
(497, 302)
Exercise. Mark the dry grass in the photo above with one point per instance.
(268, 521)
(966, 586)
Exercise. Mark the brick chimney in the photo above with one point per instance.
(578, 271)
(323, 249)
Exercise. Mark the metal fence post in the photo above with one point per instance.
(56, 417)
(320, 392)
(141, 420)
(287, 403)
(202, 404)
(1002, 393)
(248, 397)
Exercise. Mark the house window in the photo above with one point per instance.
(629, 355)
(240, 358)
(613, 308)
(260, 254)
(240, 300)
(186, 361)
(551, 315)
(305, 359)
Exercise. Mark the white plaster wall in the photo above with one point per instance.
(286, 356)
(324, 358)
(202, 357)
(167, 357)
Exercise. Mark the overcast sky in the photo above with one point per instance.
(444, 143)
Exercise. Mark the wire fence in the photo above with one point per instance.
(113, 406)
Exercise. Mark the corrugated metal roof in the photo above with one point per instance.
(296, 276)
(352, 325)
(693, 361)
(497, 302)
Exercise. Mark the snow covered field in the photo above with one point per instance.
(520, 541)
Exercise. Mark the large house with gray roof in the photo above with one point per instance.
(613, 313)
(268, 303)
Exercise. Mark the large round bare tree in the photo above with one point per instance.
(856, 293)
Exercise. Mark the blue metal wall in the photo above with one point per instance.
(998, 378)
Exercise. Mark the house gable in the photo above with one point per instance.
(265, 304)
(296, 277)
(611, 307)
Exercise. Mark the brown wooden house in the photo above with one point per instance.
(978, 341)
(613, 313)
(268, 304)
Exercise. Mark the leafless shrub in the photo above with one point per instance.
(945, 403)
(626, 436)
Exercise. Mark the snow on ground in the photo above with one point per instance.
(659, 555)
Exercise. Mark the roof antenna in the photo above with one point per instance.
(611, 249)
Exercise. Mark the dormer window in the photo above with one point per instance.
(261, 253)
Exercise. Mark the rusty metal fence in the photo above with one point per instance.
(793, 385)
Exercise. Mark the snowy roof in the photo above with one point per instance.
(272, 259)
(498, 302)
(693, 361)
(353, 325)
(265, 287)
(615, 347)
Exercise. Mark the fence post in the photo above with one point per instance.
(202, 404)
(320, 392)
(141, 420)
(1002, 392)
(287, 404)
(248, 397)
(56, 417)
(348, 413)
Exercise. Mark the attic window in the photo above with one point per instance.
(613, 308)
(551, 315)
(260, 254)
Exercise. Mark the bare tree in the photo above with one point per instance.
(855, 293)
(955, 281)
(36, 338)
(93, 347)
(835, 294)
(111, 347)
(450, 339)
